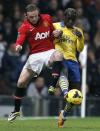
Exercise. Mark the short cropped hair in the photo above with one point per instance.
(31, 7)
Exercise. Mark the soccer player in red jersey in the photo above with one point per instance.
(38, 30)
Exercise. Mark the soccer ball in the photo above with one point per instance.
(74, 96)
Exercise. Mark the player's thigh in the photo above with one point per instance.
(36, 62)
(24, 77)
(73, 73)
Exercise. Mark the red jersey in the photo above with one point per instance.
(39, 36)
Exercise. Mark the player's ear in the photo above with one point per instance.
(25, 15)
(39, 14)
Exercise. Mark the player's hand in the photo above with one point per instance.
(77, 33)
(57, 33)
(18, 48)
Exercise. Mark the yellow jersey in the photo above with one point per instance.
(69, 44)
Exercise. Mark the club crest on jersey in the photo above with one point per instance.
(42, 35)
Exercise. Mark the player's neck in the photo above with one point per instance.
(70, 27)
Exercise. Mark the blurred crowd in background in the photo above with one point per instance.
(11, 63)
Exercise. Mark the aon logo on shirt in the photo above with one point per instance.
(42, 35)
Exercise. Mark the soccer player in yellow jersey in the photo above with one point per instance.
(71, 43)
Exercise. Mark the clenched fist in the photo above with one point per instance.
(57, 33)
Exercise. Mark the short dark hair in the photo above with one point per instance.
(31, 7)
(71, 13)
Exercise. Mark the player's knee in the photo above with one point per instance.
(21, 84)
(58, 56)
(75, 85)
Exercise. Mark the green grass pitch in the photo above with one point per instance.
(87, 124)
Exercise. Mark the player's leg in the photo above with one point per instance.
(73, 79)
(74, 82)
(64, 84)
(32, 68)
(56, 62)
(23, 80)
(63, 114)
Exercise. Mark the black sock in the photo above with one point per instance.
(67, 109)
(19, 94)
(17, 105)
(56, 69)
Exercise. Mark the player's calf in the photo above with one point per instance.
(56, 60)
(19, 94)
(64, 84)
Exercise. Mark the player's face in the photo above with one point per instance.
(33, 16)
(68, 22)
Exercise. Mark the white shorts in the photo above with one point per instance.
(36, 61)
